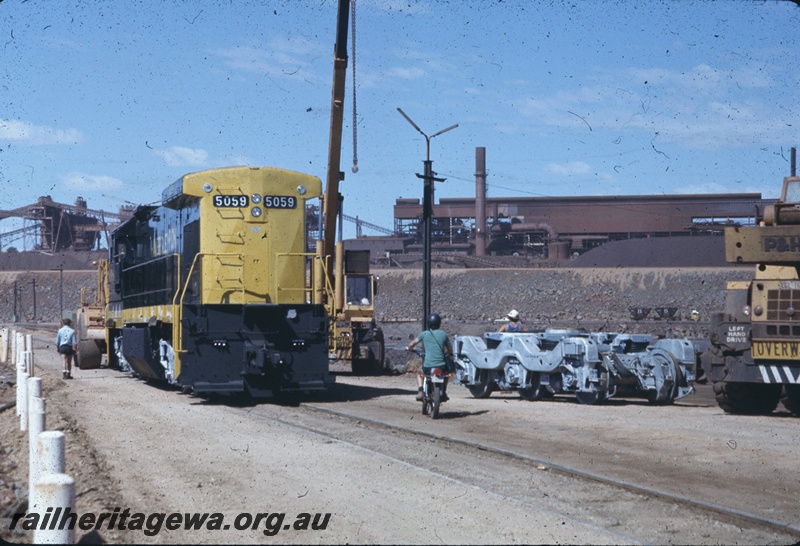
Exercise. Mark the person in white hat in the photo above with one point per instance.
(513, 324)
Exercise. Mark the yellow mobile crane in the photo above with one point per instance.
(754, 356)
(345, 284)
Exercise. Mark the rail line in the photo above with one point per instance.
(730, 515)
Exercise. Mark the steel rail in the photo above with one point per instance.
(725, 511)
(327, 434)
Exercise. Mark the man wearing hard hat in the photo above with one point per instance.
(513, 324)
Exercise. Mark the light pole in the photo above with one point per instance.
(427, 213)
(60, 270)
(33, 282)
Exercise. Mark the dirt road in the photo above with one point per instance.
(153, 450)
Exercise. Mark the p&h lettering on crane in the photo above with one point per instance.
(781, 244)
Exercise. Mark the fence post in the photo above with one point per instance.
(19, 343)
(12, 340)
(51, 444)
(27, 358)
(36, 425)
(57, 491)
(3, 345)
(22, 401)
(20, 371)
(15, 362)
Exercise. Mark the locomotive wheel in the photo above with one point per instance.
(484, 388)
(677, 379)
(435, 403)
(748, 398)
(535, 391)
(791, 400)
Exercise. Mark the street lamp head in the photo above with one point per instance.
(427, 138)
(445, 130)
(408, 119)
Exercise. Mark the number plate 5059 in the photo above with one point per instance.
(280, 202)
(234, 201)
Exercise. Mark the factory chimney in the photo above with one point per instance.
(480, 201)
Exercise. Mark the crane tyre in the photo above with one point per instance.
(747, 398)
(791, 398)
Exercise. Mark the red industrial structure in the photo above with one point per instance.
(557, 228)
(56, 227)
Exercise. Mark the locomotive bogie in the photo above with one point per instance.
(592, 366)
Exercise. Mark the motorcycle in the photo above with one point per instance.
(433, 385)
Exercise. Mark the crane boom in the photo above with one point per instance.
(355, 341)
(330, 204)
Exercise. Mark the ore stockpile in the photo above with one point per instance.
(42, 282)
(599, 289)
(474, 301)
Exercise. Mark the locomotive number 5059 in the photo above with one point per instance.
(279, 202)
(234, 201)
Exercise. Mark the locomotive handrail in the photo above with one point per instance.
(328, 287)
(178, 311)
(330, 305)
(176, 324)
(310, 284)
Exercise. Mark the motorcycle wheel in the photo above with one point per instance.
(435, 403)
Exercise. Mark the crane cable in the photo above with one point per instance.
(355, 116)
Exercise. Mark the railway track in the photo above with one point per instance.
(580, 497)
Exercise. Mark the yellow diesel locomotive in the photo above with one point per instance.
(213, 290)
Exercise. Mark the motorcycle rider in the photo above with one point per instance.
(437, 348)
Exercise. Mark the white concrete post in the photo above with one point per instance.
(20, 347)
(36, 425)
(52, 448)
(3, 345)
(13, 341)
(34, 391)
(28, 358)
(57, 491)
(20, 371)
(22, 401)
(29, 343)
(27, 361)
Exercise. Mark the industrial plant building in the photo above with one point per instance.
(557, 228)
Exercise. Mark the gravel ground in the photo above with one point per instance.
(133, 445)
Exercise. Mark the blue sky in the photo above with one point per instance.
(113, 100)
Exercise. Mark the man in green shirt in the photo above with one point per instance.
(437, 347)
